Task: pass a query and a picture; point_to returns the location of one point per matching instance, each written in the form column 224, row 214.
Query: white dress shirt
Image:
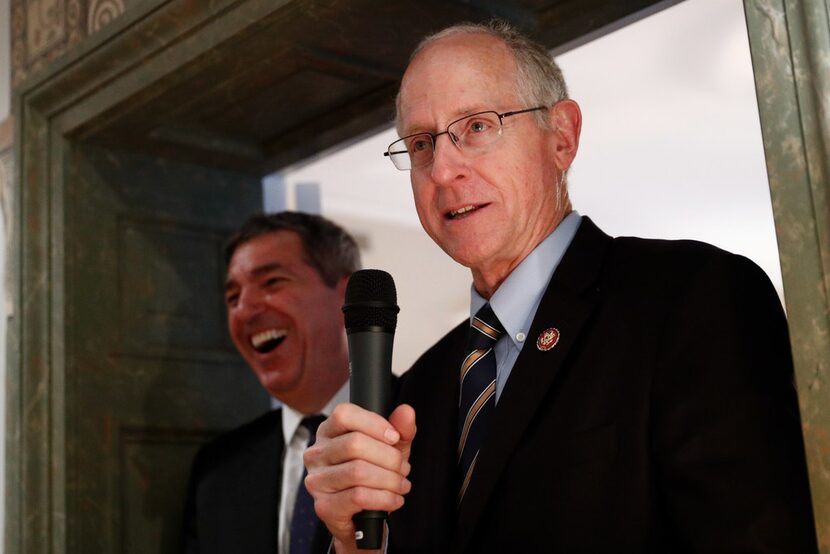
column 296, row 440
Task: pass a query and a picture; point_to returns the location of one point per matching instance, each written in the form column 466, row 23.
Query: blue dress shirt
column 516, row 300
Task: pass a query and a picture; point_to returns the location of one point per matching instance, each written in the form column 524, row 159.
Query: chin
column 465, row 257
column 272, row 381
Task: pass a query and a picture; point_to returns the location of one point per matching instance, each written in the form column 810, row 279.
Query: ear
column 566, row 123
column 340, row 287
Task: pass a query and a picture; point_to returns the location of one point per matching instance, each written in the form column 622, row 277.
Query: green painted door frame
column 117, row 367
column 790, row 46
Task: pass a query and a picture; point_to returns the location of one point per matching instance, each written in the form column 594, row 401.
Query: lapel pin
column 547, row 339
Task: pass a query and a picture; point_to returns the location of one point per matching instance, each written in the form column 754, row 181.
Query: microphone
column 371, row 314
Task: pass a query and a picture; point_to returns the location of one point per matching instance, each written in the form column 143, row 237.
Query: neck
column 311, row 398
column 487, row 278
column 487, row 283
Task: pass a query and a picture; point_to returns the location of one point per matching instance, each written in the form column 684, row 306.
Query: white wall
column 671, row 144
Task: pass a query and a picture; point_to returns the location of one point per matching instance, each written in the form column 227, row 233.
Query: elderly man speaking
column 607, row 394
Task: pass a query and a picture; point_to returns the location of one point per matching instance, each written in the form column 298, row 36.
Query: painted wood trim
column 790, row 47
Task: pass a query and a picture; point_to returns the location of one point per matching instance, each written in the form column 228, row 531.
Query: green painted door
column 150, row 371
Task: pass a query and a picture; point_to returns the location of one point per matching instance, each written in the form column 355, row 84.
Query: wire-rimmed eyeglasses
column 472, row 133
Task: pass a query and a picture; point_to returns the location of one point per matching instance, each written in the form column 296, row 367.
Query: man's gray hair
column 539, row 81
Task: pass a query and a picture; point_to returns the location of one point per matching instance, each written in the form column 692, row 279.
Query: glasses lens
column 476, row 131
column 412, row 151
column 399, row 155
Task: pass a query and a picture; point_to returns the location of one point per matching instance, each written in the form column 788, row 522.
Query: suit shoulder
column 669, row 280
column 231, row 444
column 682, row 260
column 667, row 249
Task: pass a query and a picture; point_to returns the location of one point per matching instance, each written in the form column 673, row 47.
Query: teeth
column 261, row 338
column 465, row 209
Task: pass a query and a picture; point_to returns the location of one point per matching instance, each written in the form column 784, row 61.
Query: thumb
column 403, row 420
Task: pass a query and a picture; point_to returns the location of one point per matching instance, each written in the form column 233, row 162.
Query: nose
column 249, row 303
column 448, row 162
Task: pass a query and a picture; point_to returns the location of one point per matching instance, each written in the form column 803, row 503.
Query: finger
column 348, row 417
column 336, row 510
column 356, row 473
column 353, row 446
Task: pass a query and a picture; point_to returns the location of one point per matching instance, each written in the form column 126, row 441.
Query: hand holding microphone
column 362, row 433
column 371, row 315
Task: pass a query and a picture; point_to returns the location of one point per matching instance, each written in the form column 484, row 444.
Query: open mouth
column 463, row 211
column 266, row 341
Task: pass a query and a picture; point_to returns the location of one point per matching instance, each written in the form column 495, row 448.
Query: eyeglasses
column 472, row 134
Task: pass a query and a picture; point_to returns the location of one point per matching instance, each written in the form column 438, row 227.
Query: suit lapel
column 427, row 518
column 444, row 401
column 260, row 489
column 566, row 305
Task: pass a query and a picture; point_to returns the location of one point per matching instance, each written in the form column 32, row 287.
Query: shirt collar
column 517, row 298
column 291, row 418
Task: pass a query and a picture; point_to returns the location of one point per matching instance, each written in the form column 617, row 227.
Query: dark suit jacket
column 665, row 419
column 234, row 492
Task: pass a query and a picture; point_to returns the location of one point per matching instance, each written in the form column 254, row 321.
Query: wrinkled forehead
column 454, row 75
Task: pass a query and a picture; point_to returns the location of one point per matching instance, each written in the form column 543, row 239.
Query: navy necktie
column 304, row 520
column 477, row 400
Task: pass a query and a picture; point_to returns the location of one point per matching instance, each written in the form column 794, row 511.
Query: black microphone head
column 371, row 301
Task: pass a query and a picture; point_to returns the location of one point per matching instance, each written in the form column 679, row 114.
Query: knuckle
column 358, row 471
column 360, row 496
column 338, row 415
column 353, row 445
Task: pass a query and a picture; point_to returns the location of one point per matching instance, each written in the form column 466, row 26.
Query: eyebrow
column 256, row 272
column 467, row 110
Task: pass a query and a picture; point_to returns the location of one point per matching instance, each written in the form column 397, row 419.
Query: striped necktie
column 477, row 400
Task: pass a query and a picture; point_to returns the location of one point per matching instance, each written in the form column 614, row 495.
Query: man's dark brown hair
column 327, row 247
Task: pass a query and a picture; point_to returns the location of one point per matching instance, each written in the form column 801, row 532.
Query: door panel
column 151, row 372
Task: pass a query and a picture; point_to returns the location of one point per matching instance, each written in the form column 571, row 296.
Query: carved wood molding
column 44, row 30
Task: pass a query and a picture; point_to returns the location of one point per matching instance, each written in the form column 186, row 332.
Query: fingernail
column 406, row 467
column 391, row 436
column 407, row 486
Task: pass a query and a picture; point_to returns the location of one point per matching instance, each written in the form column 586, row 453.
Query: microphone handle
column 370, row 365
